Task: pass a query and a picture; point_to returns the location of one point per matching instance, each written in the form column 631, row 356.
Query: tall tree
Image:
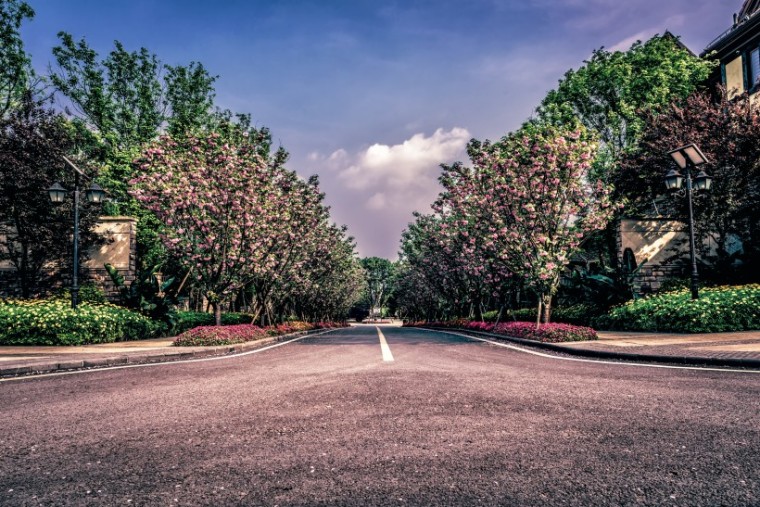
column 189, row 96
column 613, row 91
column 379, row 274
column 728, row 132
column 15, row 65
column 35, row 234
column 528, row 201
column 120, row 96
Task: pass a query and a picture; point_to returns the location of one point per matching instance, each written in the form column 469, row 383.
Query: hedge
column 54, row 322
column 718, row 309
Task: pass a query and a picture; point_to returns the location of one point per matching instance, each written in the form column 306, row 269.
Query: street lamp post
column 94, row 194
column 689, row 157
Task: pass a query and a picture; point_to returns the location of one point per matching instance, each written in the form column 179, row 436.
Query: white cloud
column 402, row 168
column 381, row 185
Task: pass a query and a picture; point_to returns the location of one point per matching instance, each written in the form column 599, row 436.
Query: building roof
column 749, row 8
column 745, row 25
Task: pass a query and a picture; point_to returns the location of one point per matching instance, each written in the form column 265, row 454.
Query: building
column 738, row 50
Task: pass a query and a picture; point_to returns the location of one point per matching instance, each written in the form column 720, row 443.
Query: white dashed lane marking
column 387, row 356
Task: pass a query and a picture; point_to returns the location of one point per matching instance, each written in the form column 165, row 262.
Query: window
column 754, row 67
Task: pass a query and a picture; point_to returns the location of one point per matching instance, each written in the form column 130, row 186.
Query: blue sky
column 373, row 95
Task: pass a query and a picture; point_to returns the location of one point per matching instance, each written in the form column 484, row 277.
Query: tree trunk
column 217, row 313
column 546, row 308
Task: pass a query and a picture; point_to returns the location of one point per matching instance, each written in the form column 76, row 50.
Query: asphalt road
column 331, row 420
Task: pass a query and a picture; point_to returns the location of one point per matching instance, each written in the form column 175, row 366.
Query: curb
column 162, row 356
column 618, row 356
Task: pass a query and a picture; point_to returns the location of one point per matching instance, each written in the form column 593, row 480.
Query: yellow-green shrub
column 54, row 322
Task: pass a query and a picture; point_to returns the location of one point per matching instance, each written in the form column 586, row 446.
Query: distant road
column 409, row 417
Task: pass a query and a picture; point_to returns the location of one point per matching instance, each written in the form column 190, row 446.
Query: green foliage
column 119, row 96
column 718, row 309
column 189, row 320
column 15, row 65
column 33, row 232
column 88, row 293
column 147, row 294
column 54, row 322
column 612, row 91
column 190, row 96
column 379, row 274
column 578, row 314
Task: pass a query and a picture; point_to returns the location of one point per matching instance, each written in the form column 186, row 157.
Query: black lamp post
column 94, row 194
column 689, row 157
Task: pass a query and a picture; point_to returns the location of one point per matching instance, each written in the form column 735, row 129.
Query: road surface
column 412, row 417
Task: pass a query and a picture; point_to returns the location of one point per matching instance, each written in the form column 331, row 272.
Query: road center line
column 387, row 356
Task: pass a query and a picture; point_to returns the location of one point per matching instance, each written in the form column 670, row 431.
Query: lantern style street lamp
column 689, row 157
column 94, row 194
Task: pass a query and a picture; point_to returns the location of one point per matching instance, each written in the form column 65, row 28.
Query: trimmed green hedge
column 54, row 322
column 718, row 309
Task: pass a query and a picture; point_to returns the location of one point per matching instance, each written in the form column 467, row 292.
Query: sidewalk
column 738, row 349
column 739, row 345
column 18, row 361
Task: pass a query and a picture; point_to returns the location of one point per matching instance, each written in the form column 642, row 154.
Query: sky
column 374, row 95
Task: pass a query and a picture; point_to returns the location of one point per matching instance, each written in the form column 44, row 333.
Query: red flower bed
column 241, row 333
column 546, row 333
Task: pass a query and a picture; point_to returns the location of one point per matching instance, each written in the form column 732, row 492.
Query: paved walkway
column 713, row 348
column 741, row 345
column 16, row 361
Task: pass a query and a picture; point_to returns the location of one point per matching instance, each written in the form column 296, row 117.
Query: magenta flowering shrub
column 485, row 327
column 229, row 335
column 547, row 333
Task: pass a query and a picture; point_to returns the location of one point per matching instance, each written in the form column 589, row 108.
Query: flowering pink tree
column 221, row 205
column 242, row 223
column 527, row 203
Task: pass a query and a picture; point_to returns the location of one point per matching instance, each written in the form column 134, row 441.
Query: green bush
column 89, row 292
column 578, row 315
column 54, row 322
column 189, row 320
column 718, row 309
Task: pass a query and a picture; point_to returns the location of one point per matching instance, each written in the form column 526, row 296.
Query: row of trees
column 216, row 205
column 512, row 222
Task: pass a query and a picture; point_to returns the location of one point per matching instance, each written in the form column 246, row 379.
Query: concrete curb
column 145, row 357
column 617, row 356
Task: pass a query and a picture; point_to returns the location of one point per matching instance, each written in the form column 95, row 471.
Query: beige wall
column 735, row 77
column 655, row 244
column 118, row 232
column 119, row 249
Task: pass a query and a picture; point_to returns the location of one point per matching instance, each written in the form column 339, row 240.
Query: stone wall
column 660, row 247
column 119, row 249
